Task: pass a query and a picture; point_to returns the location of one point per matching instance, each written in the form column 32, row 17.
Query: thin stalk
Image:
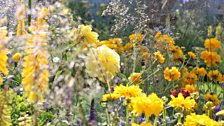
column 155, row 121
column 127, row 116
column 108, row 117
column 164, row 117
column 29, row 15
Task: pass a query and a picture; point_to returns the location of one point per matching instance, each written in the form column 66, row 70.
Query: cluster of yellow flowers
column 212, row 97
column 159, row 57
column 151, row 105
column 171, row 74
column 199, row 120
column 35, row 72
column 210, row 57
column 182, row 103
column 114, row 43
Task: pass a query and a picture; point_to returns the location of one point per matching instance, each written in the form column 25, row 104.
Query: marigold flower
column 127, row 91
column 212, row 97
column 199, row 120
column 212, row 44
column 17, row 57
column 190, row 78
column 135, row 78
column 215, row 75
column 109, row 97
column 176, row 52
column 137, row 37
column 102, row 62
column 151, row 105
column 171, row 74
column 210, row 58
column 182, row 103
column 159, row 56
column 192, row 55
column 200, row 71
column 190, row 88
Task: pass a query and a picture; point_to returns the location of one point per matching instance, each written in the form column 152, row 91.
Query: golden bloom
column 151, row 105
column 158, row 35
column 142, row 124
column 129, row 47
column 135, row 78
column 199, row 120
column 20, row 27
column 159, row 56
column 171, row 74
column 200, row 71
column 137, row 37
column 111, row 96
column 210, row 58
column 17, row 57
column 164, row 39
column 215, row 75
column 190, row 88
column 127, row 91
column 3, row 51
column 182, row 103
column 212, row 97
column 85, row 36
column 176, row 52
column 102, row 62
column 212, row 44
column 190, row 78
column 192, row 55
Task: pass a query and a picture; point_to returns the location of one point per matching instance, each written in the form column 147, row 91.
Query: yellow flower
column 212, row 44
column 127, row 91
column 220, row 113
column 142, row 124
column 158, row 35
column 137, row 37
column 192, row 55
column 215, row 75
column 182, row 103
column 102, row 62
column 201, row 72
column 190, row 88
column 17, row 57
column 190, row 78
column 108, row 97
column 159, row 56
column 171, row 74
column 210, row 58
column 212, row 97
column 151, row 105
column 85, row 36
column 129, row 47
column 20, row 27
column 199, row 120
column 1, row 80
column 135, row 78
column 176, row 52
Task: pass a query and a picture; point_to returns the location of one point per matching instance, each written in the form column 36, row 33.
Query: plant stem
column 29, row 15
column 155, row 121
column 108, row 117
column 127, row 116
column 164, row 117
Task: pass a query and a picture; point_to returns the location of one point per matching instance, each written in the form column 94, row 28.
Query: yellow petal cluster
column 210, row 58
column 127, row 91
column 135, row 78
column 136, row 37
column 199, row 120
column 3, row 51
column 200, row 71
column 182, row 103
column 159, row 57
column 192, row 55
column 151, row 105
column 171, row 74
column 102, row 62
column 215, row 75
column 114, row 43
column 17, row 57
column 142, row 124
column 212, row 97
column 212, row 44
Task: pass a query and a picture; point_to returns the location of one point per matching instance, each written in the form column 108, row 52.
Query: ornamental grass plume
column 171, row 74
column 199, row 120
column 35, row 71
column 103, row 63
